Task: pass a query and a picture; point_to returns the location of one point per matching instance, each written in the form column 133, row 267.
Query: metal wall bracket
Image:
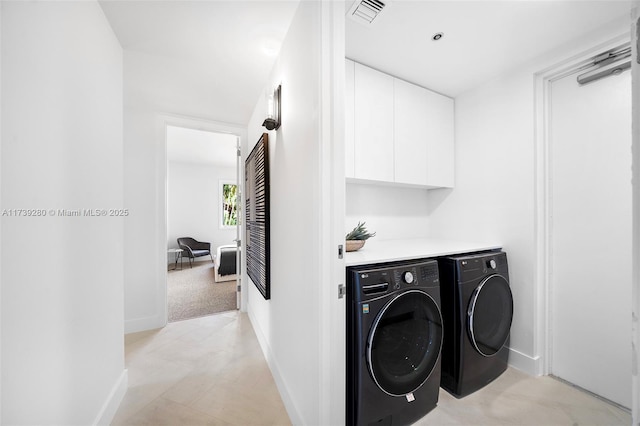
column 340, row 251
column 342, row 291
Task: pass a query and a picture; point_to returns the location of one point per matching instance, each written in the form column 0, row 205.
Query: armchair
column 193, row 248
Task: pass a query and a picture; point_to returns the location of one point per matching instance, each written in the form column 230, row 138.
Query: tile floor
column 203, row 371
column 211, row 371
column 515, row 398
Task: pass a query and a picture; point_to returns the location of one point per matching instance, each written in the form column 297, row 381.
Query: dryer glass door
column 489, row 315
column 404, row 343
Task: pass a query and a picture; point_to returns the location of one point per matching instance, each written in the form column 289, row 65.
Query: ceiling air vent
column 366, row 11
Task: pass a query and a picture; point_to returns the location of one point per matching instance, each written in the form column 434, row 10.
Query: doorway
column 588, row 230
column 203, row 204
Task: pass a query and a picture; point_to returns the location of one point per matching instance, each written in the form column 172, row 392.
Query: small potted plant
column 357, row 237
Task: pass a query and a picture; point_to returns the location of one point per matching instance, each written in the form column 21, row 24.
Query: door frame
column 163, row 121
column 542, row 191
column 635, row 183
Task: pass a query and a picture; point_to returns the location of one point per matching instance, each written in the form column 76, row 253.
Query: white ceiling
column 207, row 58
column 482, row 39
column 204, row 58
column 201, row 147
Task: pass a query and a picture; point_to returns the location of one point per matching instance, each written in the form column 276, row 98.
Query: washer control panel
column 374, row 281
column 425, row 274
column 406, row 276
column 429, row 274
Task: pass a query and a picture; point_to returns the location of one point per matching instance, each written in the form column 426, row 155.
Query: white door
column 590, row 217
column 239, row 223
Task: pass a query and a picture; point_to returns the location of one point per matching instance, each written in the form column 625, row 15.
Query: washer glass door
column 404, row 342
column 489, row 315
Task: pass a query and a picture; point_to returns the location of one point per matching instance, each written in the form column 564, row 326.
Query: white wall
column 390, row 211
column 194, row 204
column 1, row 205
column 494, row 197
column 144, row 228
column 62, row 277
column 290, row 325
column 146, row 115
column 635, row 43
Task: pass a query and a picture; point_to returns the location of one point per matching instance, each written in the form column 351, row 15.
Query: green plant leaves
column 359, row 233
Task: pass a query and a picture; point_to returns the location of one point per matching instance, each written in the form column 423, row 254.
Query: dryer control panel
column 474, row 266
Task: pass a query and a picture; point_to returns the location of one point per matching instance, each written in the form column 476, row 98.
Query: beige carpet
column 192, row 292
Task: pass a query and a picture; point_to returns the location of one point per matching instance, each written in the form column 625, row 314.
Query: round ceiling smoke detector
column 437, row 36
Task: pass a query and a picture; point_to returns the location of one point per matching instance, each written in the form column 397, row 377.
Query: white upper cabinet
column 373, row 124
column 440, row 141
column 397, row 132
column 350, row 155
column 411, row 112
column 423, row 136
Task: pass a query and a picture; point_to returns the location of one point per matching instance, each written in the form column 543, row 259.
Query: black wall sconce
column 272, row 122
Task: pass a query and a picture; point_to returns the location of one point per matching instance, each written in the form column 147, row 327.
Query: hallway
column 203, row 371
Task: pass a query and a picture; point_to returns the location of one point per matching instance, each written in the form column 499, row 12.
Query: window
column 229, row 214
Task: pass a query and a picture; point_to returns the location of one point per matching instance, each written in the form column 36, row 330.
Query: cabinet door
column 440, row 136
column 349, row 155
column 411, row 132
column 373, row 124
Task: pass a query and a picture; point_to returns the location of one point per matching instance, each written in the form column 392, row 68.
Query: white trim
column 240, row 227
column 542, row 79
column 524, row 362
column 1, row 328
column 112, row 403
column 289, row 404
column 145, row 323
column 635, row 148
column 164, row 120
column 332, row 332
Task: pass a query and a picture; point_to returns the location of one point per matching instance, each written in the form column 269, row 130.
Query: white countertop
column 378, row 251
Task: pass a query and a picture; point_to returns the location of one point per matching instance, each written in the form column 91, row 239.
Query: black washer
column 394, row 339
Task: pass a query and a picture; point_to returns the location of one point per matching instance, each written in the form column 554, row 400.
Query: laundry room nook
column 468, row 160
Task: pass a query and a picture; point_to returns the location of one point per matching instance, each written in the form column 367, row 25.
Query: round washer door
column 490, row 314
column 404, row 342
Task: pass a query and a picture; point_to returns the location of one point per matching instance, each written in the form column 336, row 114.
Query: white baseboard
column 110, row 406
column 525, row 363
column 292, row 411
column 144, row 324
